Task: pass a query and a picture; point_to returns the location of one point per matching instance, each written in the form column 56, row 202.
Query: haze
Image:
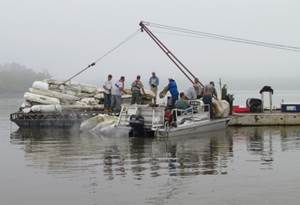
column 64, row 36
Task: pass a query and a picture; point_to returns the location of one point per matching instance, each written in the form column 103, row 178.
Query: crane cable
column 194, row 33
column 104, row 55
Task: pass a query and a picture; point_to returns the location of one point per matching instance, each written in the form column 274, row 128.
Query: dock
column 265, row 119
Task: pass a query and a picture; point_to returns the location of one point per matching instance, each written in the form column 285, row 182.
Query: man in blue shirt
column 172, row 88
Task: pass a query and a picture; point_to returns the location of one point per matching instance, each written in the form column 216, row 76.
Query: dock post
column 262, row 102
column 270, row 95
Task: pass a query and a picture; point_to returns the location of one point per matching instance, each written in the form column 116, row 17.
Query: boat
column 145, row 120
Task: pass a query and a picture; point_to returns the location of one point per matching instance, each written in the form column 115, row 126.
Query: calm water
column 237, row 166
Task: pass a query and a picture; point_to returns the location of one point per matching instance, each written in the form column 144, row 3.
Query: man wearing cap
column 107, row 93
column 154, row 82
column 116, row 92
column 137, row 88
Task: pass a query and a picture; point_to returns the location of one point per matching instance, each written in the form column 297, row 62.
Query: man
column 182, row 103
column 116, row 92
column 154, row 82
column 214, row 91
column 172, row 88
column 137, row 88
column 107, row 93
column 208, row 93
column 198, row 88
column 224, row 92
column 190, row 93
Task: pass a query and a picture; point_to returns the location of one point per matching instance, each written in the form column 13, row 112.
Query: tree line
column 18, row 78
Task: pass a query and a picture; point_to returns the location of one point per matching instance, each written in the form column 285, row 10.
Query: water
column 252, row 165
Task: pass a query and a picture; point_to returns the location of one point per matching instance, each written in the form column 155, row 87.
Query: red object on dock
column 238, row 109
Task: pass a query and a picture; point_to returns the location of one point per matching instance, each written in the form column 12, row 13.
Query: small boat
column 144, row 120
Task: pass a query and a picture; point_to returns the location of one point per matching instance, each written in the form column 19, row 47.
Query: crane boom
column 188, row 74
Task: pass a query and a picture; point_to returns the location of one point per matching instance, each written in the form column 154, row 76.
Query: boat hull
column 198, row 127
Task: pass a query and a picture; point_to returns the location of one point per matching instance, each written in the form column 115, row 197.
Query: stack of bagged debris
column 56, row 96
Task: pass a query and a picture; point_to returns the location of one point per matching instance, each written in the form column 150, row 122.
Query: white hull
column 195, row 127
column 146, row 120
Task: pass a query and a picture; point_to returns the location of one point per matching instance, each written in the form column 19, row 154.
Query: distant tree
column 18, row 78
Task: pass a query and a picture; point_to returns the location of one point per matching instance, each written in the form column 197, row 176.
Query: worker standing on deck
column 224, row 92
column 107, row 93
column 191, row 93
column 214, row 91
column 154, row 82
column 172, row 88
column 137, row 89
column 116, row 92
column 208, row 93
column 198, row 88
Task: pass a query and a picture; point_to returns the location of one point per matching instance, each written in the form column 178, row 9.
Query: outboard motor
column 136, row 122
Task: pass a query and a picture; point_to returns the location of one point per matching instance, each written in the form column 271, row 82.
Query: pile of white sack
column 55, row 96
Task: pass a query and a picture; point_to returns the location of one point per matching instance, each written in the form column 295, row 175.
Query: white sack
column 221, row 108
column 89, row 101
column 40, row 85
column 26, row 110
column 26, row 104
column 46, row 108
column 50, row 93
column 99, row 96
column 98, row 120
column 40, row 99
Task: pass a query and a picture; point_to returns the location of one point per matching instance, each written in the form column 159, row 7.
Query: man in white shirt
column 107, row 93
column 190, row 93
column 116, row 92
column 154, row 82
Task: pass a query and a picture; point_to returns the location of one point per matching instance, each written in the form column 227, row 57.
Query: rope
column 103, row 56
column 195, row 34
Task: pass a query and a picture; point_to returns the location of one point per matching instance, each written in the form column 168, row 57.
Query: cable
column 223, row 37
column 103, row 56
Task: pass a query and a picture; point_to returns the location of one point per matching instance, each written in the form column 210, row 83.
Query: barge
column 65, row 119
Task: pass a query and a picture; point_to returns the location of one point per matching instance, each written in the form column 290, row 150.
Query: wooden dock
column 265, row 119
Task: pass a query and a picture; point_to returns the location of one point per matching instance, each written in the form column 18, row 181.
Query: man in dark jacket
column 208, row 92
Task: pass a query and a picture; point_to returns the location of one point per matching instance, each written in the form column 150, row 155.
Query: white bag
column 40, row 99
column 46, row 108
column 40, row 85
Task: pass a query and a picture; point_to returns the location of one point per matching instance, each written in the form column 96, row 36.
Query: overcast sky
column 63, row 36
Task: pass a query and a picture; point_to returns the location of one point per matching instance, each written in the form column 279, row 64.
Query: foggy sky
column 64, row 36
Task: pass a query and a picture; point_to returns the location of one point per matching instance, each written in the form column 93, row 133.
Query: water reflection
column 68, row 153
column 290, row 138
